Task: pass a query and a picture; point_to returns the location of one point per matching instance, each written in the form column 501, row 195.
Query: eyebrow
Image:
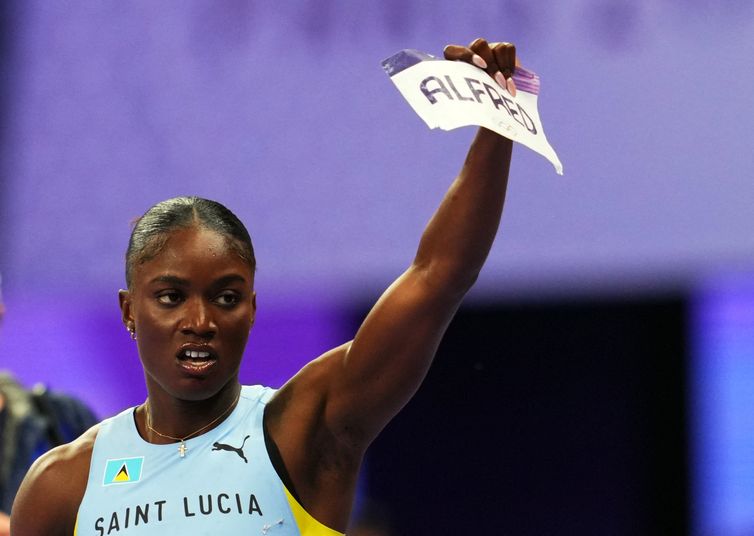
column 180, row 282
column 232, row 278
column 171, row 279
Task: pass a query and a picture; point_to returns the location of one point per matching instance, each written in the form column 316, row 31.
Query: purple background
column 723, row 388
column 281, row 110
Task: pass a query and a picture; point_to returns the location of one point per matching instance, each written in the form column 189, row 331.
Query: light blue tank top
column 225, row 483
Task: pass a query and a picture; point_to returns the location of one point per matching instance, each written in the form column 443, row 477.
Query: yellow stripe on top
column 307, row 525
column 76, row 526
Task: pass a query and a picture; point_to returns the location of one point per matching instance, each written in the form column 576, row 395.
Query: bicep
column 392, row 351
column 324, row 418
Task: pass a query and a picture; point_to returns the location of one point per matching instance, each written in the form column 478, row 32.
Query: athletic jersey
column 224, row 484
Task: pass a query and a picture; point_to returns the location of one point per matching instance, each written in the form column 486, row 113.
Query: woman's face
column 192, row 307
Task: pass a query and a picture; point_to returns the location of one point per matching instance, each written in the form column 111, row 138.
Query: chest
column 221, row 483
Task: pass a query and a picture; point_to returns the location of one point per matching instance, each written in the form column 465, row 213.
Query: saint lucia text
column 157, row 511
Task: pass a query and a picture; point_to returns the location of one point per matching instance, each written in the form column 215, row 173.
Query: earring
column 132, row 330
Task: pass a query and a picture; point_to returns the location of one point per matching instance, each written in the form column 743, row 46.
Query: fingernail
column 478, row 60
column 500, row 79
column 511, row 86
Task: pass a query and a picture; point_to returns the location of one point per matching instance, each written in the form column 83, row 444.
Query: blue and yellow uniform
column 225, row 483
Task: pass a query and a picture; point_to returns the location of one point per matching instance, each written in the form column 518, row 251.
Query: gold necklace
column 182, row 448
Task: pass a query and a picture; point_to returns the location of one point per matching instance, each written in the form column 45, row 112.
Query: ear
column 126, row 315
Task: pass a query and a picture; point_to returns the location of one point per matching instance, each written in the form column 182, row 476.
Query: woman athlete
column 204, row 455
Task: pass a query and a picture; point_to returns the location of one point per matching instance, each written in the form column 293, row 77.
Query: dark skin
column 198, row 292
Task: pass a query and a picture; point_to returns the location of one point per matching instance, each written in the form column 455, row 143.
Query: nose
column 198, row 319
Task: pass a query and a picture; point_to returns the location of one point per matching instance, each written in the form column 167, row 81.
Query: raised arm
column 392, row 351
column 326, row 416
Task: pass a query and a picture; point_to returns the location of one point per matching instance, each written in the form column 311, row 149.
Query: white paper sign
column 452, row 94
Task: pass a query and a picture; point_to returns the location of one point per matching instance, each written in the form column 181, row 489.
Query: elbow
column 451, row 279
column 464, row 281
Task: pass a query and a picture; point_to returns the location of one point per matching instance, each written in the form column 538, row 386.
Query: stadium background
column 598, row 379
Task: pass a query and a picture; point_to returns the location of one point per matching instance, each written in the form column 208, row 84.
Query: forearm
column 394, row 347
column 458, row 238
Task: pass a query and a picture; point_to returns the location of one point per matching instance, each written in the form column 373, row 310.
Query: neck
column 166, row 420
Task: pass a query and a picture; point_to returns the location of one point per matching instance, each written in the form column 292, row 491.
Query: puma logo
column 237, row 450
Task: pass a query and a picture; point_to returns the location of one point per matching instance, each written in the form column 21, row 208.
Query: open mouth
column 196, row 361
column 194, row 355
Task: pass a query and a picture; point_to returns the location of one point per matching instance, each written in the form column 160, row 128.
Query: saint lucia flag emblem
column 123, row 471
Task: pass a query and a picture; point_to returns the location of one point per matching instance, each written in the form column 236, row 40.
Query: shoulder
column 49, row 497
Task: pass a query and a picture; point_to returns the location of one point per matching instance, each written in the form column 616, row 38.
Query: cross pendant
column 182, row 449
